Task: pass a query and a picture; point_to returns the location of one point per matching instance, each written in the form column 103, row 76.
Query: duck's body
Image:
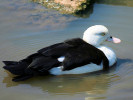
column 75, row 56
column 91, row 67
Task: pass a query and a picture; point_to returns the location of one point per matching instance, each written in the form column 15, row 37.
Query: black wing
column 76, row 51
column 56, row 50
column 83, row 54
column 46, row 58
column 43, row 64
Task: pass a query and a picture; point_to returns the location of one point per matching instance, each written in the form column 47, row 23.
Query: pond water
column 26, row 26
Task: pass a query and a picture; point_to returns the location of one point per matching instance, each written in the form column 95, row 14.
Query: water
column 26, row 27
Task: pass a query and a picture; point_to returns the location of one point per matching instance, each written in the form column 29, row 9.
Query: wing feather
column 56, row 50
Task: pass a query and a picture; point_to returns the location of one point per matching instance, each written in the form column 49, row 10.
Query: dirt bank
column 66, row 6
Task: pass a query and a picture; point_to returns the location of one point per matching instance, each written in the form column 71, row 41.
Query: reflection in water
column 85, row 13
column 31, row 15
column 117, row 2
column 67, row 84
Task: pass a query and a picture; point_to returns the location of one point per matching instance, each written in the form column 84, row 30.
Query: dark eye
column 102, row 34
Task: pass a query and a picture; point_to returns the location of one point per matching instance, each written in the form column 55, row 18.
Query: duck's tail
column 18, row 68
column 35, row 64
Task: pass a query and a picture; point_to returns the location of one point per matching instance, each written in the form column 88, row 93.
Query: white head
column 98, row 34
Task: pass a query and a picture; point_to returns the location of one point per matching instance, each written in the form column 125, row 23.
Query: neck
column 109, row 53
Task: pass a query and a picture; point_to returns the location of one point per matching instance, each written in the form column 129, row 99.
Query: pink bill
column 114, row 40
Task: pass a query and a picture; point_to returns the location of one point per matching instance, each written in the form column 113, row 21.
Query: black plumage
column 76, row 52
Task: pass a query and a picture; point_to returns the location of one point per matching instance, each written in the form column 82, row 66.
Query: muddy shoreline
column 67, row 6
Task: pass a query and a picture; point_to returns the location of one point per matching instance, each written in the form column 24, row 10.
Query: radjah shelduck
column 73, row 56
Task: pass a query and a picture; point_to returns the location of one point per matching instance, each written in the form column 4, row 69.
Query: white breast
column 87, row 68
column 110, row 54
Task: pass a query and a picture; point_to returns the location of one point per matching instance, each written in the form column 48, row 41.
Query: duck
column 72, row 56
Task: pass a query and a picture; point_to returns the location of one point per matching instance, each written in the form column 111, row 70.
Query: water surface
column 26, row 27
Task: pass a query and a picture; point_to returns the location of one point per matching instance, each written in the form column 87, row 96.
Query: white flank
column 61, row 59
column 79, row 70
